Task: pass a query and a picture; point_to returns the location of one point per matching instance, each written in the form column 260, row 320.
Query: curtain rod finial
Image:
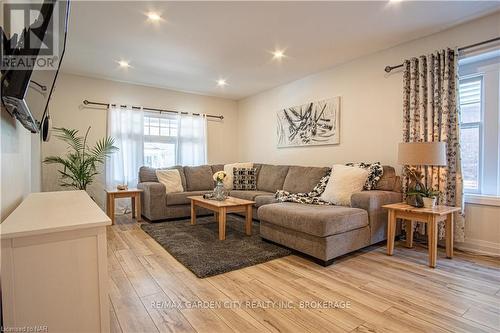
column 388, row 69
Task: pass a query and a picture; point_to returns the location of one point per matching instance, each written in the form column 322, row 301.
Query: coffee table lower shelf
column 221, row 209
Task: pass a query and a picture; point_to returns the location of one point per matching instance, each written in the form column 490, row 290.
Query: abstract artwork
column 311, row 124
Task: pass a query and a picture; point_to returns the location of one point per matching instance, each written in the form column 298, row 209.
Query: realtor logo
column 19, row 16
column 31, row 34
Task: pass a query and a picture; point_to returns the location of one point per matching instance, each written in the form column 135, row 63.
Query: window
column 160, row 139
column 174, row 139
column 479, row 89
column 470, row 126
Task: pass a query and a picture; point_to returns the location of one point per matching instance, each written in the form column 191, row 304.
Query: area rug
column 199, row 249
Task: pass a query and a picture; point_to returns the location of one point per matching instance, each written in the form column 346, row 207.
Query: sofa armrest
column 153, row 200
column 372, row 202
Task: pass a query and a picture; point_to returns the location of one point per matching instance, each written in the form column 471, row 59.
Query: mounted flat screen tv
column 31, row 57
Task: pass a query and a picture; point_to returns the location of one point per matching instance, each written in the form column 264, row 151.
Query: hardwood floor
column 151, row 292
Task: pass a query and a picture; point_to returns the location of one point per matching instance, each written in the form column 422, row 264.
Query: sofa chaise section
column 323, row 232
column 326, row 232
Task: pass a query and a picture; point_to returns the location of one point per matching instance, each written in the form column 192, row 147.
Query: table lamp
column 412, row 154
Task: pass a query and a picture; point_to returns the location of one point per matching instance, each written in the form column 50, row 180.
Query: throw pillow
column 171, row 178
column 375, row 173
column 245, row 179
column 228, row 169
column 344, row 182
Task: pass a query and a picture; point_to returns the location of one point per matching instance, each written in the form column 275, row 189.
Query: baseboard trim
column 479, row 246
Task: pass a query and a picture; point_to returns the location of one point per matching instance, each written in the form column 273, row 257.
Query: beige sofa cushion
column 271, row 177
column 265, row 200
column 320, row 221
column 344, row 181
column 199, row 178
column 147, row 175
column 389, row 179
column 181, row 198
column 301, row 179
column 247, row 195
column 171, row 179
column 217, row 168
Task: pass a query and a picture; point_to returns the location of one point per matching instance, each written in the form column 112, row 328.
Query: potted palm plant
column 79, row 166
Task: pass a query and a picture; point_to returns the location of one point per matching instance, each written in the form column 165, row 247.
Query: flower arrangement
column 219, row 193
column 219, row 176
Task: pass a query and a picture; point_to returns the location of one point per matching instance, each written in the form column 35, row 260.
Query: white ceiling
column 200, row 42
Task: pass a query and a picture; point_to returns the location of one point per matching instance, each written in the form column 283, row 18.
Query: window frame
column 477, row 124
column 163, row 139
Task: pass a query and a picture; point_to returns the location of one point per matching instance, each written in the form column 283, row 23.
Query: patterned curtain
column 431, row 113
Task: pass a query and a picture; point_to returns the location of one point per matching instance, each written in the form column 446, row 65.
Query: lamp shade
column 422, row 153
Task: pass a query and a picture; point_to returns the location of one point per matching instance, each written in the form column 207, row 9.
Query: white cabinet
column 54, row 264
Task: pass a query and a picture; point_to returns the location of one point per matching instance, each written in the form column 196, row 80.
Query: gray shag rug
column 199, row 249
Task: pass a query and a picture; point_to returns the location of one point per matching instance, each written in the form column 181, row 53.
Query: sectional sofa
column 323, row 232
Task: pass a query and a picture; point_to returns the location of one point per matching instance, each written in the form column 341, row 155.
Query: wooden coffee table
column 221, row 208
column 430, row 216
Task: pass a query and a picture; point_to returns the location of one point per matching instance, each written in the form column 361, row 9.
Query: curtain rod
column 87, row 102
column 388, row 69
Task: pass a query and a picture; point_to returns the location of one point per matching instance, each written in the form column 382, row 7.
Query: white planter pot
column 429, row 202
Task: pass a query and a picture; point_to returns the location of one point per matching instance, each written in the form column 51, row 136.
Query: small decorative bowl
column 122, row 187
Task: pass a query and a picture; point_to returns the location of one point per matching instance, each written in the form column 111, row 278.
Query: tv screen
column 32, row 50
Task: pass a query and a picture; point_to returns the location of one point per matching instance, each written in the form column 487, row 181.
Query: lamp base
column 415, row 201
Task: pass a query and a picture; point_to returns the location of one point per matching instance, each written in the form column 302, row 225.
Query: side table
column 133, row 193
column 430, row 216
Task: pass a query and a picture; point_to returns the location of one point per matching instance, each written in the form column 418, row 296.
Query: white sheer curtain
column 126, row 126
column 191, row 148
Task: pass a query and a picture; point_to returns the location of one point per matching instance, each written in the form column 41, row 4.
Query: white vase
column 429, row 202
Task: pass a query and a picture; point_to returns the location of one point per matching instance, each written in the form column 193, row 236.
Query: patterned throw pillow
column 312, row 198
column 375, row 173
column 244, row 179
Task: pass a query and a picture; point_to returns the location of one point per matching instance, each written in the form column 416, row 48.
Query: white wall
column 371, row 110
column 67, row 110
column 482, row 228
column 19, row 161
column 371, row 115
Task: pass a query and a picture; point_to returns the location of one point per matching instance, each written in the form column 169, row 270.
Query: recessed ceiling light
column 221, row 82
column 278, row 54
column 152, row 16
column 123, row 64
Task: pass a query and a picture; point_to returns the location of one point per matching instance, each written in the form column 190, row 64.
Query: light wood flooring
column 386, row 294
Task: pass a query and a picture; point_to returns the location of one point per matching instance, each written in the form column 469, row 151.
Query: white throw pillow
column 229, row 168
column 171, row 178
column 344, row 181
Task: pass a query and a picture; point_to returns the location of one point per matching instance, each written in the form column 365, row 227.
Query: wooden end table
column 133, row 193
column 430, row 216
column 221, row 208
